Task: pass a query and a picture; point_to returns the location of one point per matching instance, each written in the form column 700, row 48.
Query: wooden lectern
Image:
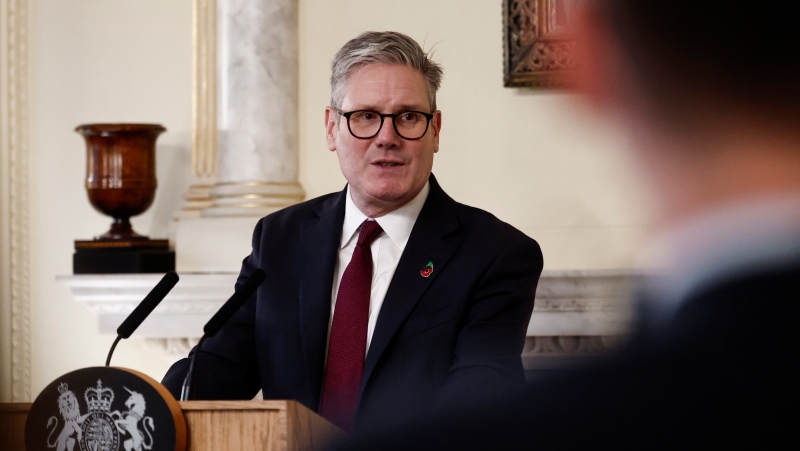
column 219, row 425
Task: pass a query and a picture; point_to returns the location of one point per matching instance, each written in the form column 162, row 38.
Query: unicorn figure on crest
column 128, row 423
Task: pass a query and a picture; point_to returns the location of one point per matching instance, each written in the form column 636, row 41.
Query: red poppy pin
column 427, row 270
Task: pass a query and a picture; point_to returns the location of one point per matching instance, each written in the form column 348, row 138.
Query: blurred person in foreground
column 708, row 95
column 387, row 298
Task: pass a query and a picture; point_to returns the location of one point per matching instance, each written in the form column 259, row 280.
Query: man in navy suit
column 708, row 95
column 452, row 287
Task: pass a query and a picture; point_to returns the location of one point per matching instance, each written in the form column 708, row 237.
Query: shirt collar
column 396, row 224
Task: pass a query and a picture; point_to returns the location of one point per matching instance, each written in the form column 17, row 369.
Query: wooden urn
column 121, row 183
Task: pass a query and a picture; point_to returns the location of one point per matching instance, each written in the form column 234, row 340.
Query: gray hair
column 386, row 47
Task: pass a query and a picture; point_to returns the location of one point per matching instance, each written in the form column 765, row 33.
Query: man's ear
column 436, row 128
column 330, row 128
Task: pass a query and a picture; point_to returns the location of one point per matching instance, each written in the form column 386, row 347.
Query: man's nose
column 387, row 136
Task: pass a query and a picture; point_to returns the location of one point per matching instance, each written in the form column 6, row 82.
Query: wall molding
column 204, row 109
column 15, row 143
column 204, row 88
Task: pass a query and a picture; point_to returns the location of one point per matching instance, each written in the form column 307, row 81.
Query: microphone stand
column 218, row 320
column 150, row 302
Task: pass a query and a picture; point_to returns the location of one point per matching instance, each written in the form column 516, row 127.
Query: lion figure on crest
column 70, row 412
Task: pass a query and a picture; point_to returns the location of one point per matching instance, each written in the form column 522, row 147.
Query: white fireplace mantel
column 575, row 311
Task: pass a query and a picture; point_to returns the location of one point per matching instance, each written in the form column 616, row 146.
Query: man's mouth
column 387, row 165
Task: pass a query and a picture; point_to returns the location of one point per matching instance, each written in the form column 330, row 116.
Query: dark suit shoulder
column 288, row 221
column 279, row 235
column 492, row 230
column 308, row 209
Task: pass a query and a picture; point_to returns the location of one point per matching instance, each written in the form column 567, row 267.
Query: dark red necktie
column 348, row 340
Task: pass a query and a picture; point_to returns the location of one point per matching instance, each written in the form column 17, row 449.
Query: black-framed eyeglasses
column 365, row 124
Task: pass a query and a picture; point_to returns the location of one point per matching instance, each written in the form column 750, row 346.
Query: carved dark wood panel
column 537, row 51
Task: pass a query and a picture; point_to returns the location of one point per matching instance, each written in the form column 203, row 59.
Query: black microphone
column 144, row 308
column 219, row 319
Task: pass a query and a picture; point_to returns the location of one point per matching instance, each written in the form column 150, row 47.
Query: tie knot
column 369, row 231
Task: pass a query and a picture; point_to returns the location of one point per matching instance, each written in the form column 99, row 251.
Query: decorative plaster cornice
column 569, row 345
column 556, row 352
column 584, row 290
column 16, row 140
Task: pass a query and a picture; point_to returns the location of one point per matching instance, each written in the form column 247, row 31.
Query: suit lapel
column 433, row 239
column 320, row 239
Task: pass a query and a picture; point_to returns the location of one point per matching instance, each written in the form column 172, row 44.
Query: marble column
column 245, row 129
column 257, row 133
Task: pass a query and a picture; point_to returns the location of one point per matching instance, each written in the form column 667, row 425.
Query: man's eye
column 409, row 117
column 364, row 116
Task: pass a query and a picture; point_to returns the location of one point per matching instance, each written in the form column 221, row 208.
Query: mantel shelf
column 585, row 303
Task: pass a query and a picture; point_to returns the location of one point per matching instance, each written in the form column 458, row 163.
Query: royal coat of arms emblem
column 108, row 422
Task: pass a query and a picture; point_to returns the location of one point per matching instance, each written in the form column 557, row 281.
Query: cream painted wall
column 532, row 158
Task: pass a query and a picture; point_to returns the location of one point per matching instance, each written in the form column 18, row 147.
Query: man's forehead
column 376, row 84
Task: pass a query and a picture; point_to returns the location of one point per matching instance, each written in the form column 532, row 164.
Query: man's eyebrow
column 396, row 109
column 411, row 108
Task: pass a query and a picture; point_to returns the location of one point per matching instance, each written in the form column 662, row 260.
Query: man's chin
column 387, row 201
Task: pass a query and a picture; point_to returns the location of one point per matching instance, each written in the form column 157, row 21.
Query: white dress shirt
column 386, row 250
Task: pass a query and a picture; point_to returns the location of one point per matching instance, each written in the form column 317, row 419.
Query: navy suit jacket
column 451, row 338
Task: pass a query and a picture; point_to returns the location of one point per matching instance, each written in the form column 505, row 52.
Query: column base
column 198, row 198
column 251, row 199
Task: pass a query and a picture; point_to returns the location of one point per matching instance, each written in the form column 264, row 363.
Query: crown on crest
column 62, row 388
column 99, row 399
